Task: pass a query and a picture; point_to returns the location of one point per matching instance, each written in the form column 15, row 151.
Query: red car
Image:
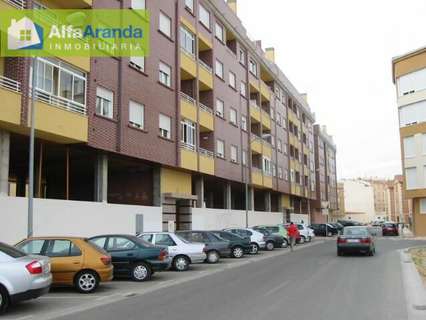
column 390, row 229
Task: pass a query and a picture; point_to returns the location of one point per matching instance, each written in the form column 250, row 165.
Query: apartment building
column 326, row 202
column 207, row 120
column 358, row 200
column 409, row 77
column 399, row 208
column 339, row 214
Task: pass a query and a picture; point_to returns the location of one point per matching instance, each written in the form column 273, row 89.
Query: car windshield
column 11, row 251
column 355, row 232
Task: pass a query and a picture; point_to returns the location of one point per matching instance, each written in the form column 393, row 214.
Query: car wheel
column 237, row 252
column 86, row 281
column 285, row 243
column 4, row 300
column 269, row 246
column 141, row 272
column 254, row 248
column 181, row 263
column 309, row 239
column 213, row 257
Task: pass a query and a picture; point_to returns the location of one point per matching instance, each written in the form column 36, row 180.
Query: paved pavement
column 311, row 282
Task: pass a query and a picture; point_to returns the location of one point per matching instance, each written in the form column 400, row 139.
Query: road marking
column 277, row 288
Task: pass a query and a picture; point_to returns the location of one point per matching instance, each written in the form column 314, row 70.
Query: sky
column 340, row 53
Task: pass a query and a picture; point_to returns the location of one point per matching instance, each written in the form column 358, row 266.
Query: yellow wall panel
column 173, row 181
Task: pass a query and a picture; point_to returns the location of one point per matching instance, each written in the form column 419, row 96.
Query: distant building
column 358, row 200
column 340, row 212
column 399, row 208
column 380, row 189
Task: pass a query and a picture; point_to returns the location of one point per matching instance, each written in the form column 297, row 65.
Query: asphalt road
column 312, row 283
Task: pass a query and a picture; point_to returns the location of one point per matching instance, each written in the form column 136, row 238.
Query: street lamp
column 31, row 156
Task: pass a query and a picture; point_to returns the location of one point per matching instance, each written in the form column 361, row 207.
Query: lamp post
column 31, row 156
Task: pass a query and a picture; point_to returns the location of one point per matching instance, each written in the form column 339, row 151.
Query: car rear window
column 389, row 225
column 11, row 251
column 95, row 246
column 355, row 232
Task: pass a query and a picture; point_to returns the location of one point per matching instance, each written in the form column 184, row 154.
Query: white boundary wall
column 72, row 218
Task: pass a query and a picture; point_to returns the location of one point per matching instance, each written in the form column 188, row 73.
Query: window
column 188, row 133
column 285, row 175
column 165, row 25
column 233, row 116
column 243, row 89
column 280, row 172
column 219, row 33
column 242, row 57
column 136, row 114
column 147, row 237
column 412, row 114
column 411, row 177
column 423, row 206
column 138, row 4
column 165, row 74
column 104, row 102
column 274, row 170
column 120, row 244
column 189, row 4
column 267, row 168
column 11, row 251
column 62, row 248
column 220, row 108
column 232, row 80
column 292, row 179
column 285, row 148
column 187, row 40
column 204, row 16
column 32, row 247
column 234, row 154
column 279, row 145
column 220, row 148
column 100, row 242
column 244, row 123
column 244, row 158
column 165, row 125
column 253, row 67
column 219, row 69
column 138, row 63
column 409, row 147
column 412, row 82
column 164, row 240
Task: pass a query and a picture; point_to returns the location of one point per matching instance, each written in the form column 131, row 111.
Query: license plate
column 353, row 240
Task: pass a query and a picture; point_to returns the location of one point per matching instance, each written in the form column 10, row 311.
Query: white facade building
column 359, row 201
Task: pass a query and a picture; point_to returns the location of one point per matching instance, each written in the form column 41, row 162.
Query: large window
column 219, row 33
column 165, row 125
column 136, row 114
column 409, row 147
column 187, row 40
column 138, row 63
column 232, row 80
column 243, row 89
column 219, row 69
column 204, row 16
column 138, row 4
column 267, row 167
column 412, row 82
column 253, row 67
column 244, row 123
column 165, row 25
column 220, row 148
column 423, row 206
column 104, row 102
column 412, row 114
column 188, row 133
column 165, row 74
column 220, row 108
column 411, row 177
column 189, row 4
column 233, row 116
column 234, row 154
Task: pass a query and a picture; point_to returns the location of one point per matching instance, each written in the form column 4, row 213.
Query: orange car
column 75, row 261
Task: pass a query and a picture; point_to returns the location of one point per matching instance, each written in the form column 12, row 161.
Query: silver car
column 22, row 277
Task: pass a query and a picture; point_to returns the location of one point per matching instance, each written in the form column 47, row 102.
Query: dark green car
column 238, row 245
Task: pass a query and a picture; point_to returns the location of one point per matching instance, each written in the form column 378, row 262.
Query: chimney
column 233, row 5
column 304, row 96
column 270, row 54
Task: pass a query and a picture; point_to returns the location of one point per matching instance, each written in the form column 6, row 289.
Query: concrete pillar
column 251, row 198
column 157, row 198
column 101, row 178
column 228, row 196
column 267, row 201
column 199, row 191
column 4, row 162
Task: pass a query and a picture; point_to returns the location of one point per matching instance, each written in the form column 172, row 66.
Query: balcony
column 188, row 107
column 266, row 120
column 12, row 4
column 254, row 111
column 206, row 161
column 265, row 91
column 267, row 149
column 204, row 43
column 188, row 157
column 267, row 181
column 296, row 189
column 254, row 84
column 188, row 65
column 206, row 118
column 205, row 74
column 256, row 144
column 257, row 177
column 10, row 97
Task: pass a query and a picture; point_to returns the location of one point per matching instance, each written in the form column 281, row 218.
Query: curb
column 415, row 293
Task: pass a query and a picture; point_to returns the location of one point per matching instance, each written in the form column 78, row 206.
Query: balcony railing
column 205, row 66
column 206, row 153
column 10, row 84
column 60, row 102
column 253, row 104
column 187, row 98
column 187, row 53
column 205, row 108
column 20, row 4
column 256, row 138
column 187, row 146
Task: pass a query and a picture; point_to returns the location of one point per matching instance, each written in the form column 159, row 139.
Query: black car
column 349, row 223
column 133, row 257
column 238, row 245
column 324, row 230
column 338, row 226
column 216, row 247
column 272, row 240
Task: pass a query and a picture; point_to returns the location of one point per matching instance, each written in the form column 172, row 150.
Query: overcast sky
column 340, row 52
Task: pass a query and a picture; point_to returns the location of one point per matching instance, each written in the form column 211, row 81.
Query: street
column 311, row 282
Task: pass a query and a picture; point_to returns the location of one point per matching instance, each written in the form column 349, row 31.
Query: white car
column 182, row 252
column 307, row 234
column 257, row 240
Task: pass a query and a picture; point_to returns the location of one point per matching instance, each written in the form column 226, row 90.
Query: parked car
column 276, row 229
column 349, row 223
column 356, row 239
column 272, row 240
column 215, row 247
column 257, row 240
column 338, row 226
column 390, row 229
column 324, row 230
column 74, row 261
column 238, row 245
column 182, row 252
column 133, row 257
column 22, row 277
